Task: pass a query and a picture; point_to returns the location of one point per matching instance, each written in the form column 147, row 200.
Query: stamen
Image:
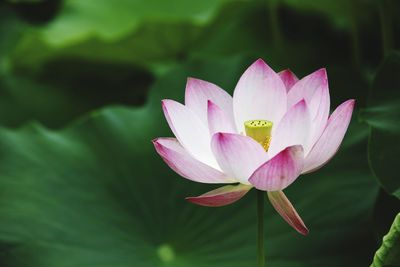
column 259, row 130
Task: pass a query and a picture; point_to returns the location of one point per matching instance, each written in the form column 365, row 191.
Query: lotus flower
column 274, row 128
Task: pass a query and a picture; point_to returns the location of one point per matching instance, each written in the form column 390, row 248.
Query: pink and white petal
column 218, row 121
column 198, row 92
column 192, row 134
column 178, row 159
column 288, row 79
column 237, row 155
column 319, row 110
column 283, row 206
column 222, row 196
column 293, row 129
column 330, row 140
column 259, row 95
column 280, row 171
column 306, row 87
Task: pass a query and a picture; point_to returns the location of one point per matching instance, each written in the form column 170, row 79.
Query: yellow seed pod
column 259, row 130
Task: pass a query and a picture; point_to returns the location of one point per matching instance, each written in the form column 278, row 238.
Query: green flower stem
column 260, row 235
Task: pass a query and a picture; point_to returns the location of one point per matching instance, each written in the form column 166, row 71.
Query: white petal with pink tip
column 237, row 155
column 198, row 92
column 192, row 134
column 280, row 171
column 218, row 121
column 288, row 79
column 259, row 95
column 183, row 163
column 293, row 129
column 330, row 140
column 306, row 87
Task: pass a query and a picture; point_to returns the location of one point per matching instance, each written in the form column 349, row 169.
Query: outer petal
column 280, row 171
column 319, row 111
column 306, row 87
column 192, row 134
column 331, row 138
column 218, row 121
column 283, row 206
column 197, row 94
column 259, row 95
column 237, row 155
column 185, row 165
column 314, row 90
column 222, row 196
column 288, row 79
column 294, row 129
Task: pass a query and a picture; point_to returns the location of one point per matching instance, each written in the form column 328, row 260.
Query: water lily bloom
column 274, row 128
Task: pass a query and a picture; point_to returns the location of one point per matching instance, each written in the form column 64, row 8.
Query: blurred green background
column 80, row 89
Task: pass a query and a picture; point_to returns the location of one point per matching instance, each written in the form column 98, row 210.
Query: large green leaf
column 65, row 87
column 96, row 194
column 383, row 116
column 92, row 65
column 129, row 31
column 155, row 41
column 154, row 45
column 389, row 254
column 52, row 84
column 238, row 27
column 111, row 20
column 344, row 13
column 42, row 79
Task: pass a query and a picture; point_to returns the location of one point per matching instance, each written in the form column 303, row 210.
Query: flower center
column 259, row 130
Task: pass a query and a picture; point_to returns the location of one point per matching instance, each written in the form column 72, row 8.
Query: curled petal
column 198, row 92
column 222, row 196
column 237, row 155
column 185, row 165
column 218, row 121
column 259, row 95
column 331, row 138
column 280, row 171
column 288, row 79
column 283, row 206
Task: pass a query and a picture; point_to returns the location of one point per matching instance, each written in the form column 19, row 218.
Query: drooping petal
column 293, row 129
column 192, row 134
column 198, row 92
column 306, row 87
column 218, row 121
column 259, row 95
column 222, row 196
column 288, row 79
column 283, row 206
column 280, row 171
column 237, row 155
column 185, row 165
column 331, row 138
